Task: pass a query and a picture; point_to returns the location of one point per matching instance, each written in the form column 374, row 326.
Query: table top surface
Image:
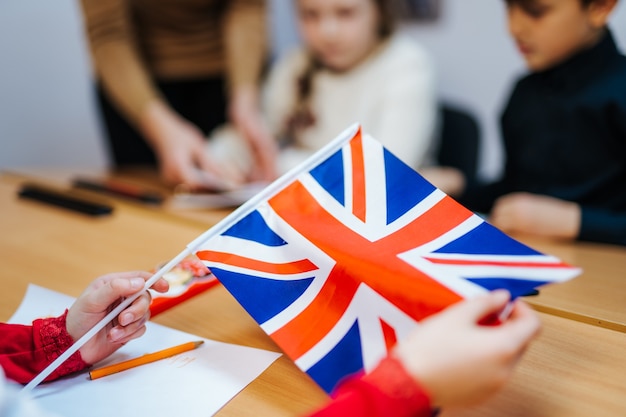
column 573, row 369
column 598, row 295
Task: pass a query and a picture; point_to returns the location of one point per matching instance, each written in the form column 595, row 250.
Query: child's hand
column 458, row 361
column 537, row 214
column 98, row 299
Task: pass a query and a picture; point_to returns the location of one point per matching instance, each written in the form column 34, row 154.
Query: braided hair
column 302, row 116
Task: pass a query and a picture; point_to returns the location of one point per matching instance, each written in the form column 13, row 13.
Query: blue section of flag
column 517, row 287
column 253, row 227
column 487, row 240
column 263, row 298
column 329, row 174
column 340, row 361
column 402, row 180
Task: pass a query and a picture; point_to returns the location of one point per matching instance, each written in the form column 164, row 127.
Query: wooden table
column 598, row 295
column 573, row 369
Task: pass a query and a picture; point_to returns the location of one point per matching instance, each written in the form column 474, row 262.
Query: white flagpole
column 100, row 325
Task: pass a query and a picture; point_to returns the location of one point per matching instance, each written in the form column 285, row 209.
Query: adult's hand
column 246, row 116
column 180, row 147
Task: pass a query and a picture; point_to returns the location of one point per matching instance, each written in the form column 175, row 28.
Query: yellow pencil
column 142, row 360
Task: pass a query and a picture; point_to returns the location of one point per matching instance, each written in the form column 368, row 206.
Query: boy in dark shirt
column 564, row 128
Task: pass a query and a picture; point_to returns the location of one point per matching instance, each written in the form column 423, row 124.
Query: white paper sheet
column 194, row 383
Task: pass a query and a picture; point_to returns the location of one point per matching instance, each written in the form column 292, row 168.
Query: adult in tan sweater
column 169, row 71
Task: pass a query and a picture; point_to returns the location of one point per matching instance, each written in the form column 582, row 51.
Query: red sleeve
column 27, row 350
column 387, row 391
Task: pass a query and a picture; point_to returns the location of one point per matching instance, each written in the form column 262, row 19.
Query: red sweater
column 26, row 350
column 387, row 391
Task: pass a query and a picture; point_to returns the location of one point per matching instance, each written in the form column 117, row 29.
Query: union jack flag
column 345, row 257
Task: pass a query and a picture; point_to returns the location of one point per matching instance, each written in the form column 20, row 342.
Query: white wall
column 47, row 114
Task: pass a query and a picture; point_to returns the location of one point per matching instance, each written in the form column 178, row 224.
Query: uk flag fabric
column 345, row 259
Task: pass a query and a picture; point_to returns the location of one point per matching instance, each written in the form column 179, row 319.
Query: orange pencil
column 142, row 360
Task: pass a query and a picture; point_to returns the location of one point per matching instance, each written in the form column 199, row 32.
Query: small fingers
column 136, row 311
column 123, row 335
column 524, row 323
column 128, row 283
column 485, row 306
column 161, row 285
column 110, row 288
column 136, row 318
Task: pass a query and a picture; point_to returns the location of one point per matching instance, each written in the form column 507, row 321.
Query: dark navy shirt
column 564, row 132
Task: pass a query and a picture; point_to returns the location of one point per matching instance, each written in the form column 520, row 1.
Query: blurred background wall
column 48, row 116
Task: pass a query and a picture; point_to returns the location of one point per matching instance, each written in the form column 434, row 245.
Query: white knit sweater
column 392, row 94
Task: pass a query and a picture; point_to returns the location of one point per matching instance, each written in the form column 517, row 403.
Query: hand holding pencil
column 142, row 360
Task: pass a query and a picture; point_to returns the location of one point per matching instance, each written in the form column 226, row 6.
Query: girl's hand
column 459, row 361
column 98, row 299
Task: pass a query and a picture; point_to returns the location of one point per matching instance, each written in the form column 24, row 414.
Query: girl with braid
column 352, row 66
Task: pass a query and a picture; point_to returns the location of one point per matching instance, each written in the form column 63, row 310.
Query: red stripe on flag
column 389, row 334
column 296, row 267
column 309, row 327
column 358, row 177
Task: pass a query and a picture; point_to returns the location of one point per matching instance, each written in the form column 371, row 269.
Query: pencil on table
column 142, row 360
